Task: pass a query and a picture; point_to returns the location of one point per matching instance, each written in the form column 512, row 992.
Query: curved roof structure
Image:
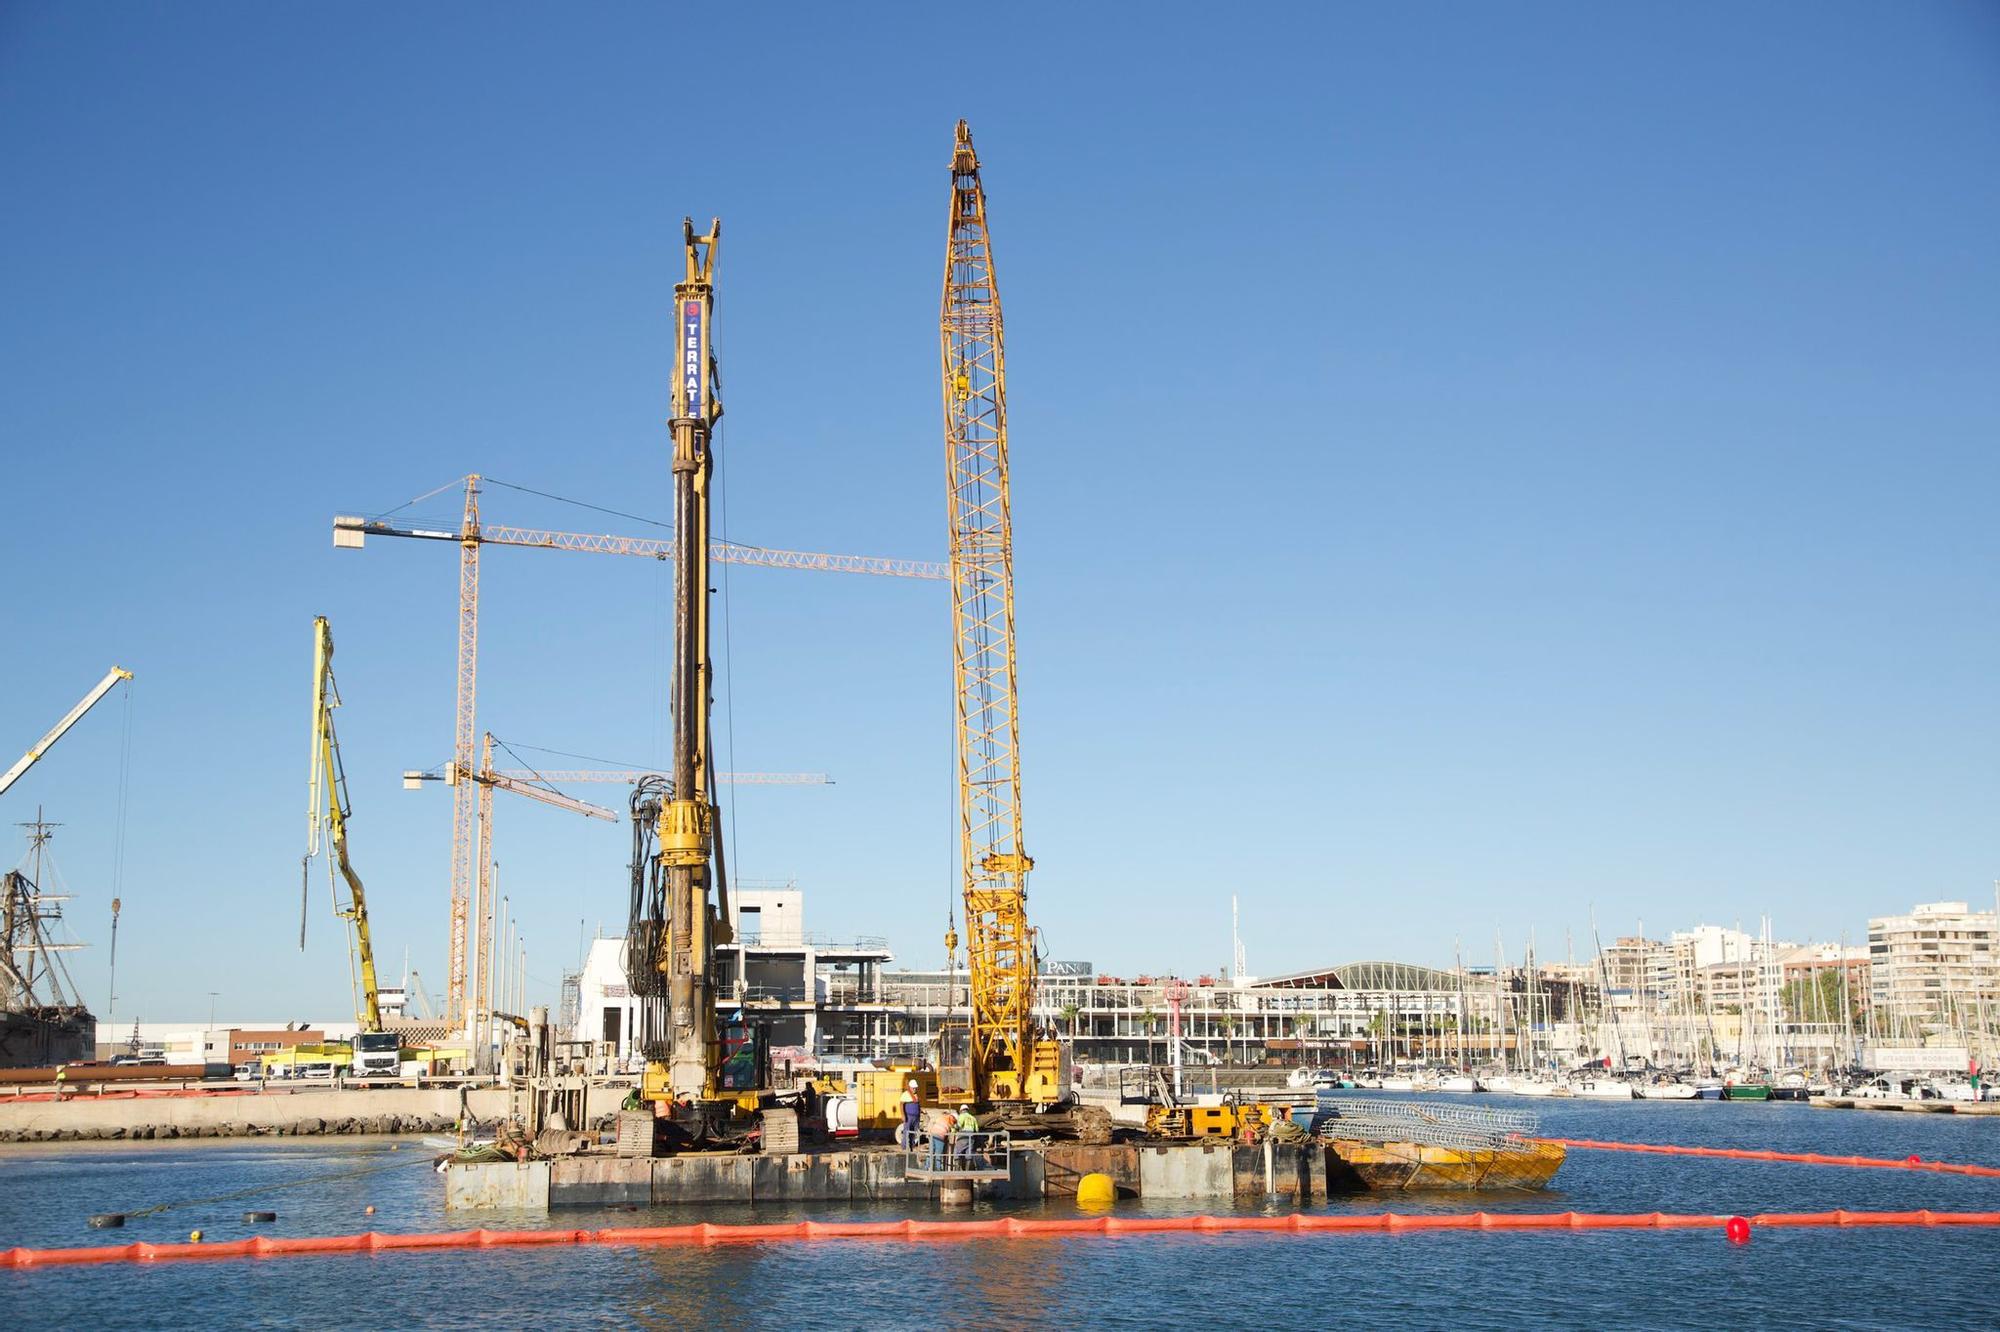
column 1403, row 976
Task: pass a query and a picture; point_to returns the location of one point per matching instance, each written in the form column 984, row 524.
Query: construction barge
column 886, row 1173
column 1344, row 1145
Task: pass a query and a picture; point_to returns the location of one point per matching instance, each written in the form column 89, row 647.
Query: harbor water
column 1873, row 1278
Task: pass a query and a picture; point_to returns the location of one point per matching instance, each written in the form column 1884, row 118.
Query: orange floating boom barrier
column 1802, row 1158
column 706, row 1233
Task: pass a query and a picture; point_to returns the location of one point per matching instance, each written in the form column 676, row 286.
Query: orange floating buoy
column 1738, row 1230
column 369, row 1210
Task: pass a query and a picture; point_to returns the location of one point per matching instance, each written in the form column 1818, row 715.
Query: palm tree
column 1227, row 1026
column 1069, row 1013
column 1151, row 1021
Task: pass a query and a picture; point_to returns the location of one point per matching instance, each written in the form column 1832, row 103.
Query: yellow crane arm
column 1003, row 1058
column 71, row 718
column 326, row 815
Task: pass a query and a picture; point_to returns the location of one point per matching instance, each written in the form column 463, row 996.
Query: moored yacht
column 1601, row 1088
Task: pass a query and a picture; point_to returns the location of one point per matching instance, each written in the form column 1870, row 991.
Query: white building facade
column 1936, row 966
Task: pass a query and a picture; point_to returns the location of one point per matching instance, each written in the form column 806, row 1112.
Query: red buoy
column 1738, row 1230
column 1915, row 1160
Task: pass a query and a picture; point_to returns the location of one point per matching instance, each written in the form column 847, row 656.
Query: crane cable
column 124, row 801
column 728, row 651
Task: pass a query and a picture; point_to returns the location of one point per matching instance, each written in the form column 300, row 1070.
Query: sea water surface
column 1888, row 1278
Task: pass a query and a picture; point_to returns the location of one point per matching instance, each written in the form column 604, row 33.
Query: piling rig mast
column 998, row 1056
column 680, row 886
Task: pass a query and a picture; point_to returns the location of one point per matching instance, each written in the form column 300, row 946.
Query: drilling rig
column 705, row 1086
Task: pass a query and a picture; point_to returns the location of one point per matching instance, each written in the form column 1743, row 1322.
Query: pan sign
column 691, row 403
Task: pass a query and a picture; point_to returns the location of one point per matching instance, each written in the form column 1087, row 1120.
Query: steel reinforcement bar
column 1802, row 1158
column 706, row 1233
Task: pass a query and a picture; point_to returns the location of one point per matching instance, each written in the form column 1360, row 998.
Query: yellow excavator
column 377, row 1053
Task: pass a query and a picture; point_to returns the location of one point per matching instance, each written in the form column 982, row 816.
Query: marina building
column 1640, row 968
column 1357, row 1012
column 819, row 995
column 1936, row 966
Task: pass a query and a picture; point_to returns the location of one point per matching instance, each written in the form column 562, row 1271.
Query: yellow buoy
column 194, row 1237
column 1096, row 1190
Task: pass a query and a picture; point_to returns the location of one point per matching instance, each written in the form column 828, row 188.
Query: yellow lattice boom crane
column 327, row 811
column 997, row 1055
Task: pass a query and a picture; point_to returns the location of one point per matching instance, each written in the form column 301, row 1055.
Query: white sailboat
column 1601, row 1088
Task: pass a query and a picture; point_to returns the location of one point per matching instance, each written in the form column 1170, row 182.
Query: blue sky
column 1471, row 463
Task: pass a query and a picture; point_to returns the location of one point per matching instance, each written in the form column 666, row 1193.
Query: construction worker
column 811, row 1111
column 938, row 1124
column 913, row 1109
column 963, row 1127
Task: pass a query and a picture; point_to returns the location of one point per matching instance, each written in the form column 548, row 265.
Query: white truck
column 378, row 1054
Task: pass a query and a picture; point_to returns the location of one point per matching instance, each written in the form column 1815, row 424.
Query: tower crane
column 327, row 812
column 535, row 784
column 112, row 678
column 485, row 781
column 351, row 533
column 419, row 995
column 490, row 781
column 997, row 1056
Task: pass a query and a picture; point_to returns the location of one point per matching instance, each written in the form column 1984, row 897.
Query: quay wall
column 246, row 1114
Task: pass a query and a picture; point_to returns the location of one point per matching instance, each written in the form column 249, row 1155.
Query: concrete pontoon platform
column 1189, row 1170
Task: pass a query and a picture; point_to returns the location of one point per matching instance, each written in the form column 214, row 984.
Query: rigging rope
column 728, row 653
column 455, row 481
column 581, row 504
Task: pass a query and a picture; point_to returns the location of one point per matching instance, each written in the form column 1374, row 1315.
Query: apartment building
column 1937, row 965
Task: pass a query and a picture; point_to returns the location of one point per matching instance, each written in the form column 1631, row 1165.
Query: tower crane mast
column 997, row 1055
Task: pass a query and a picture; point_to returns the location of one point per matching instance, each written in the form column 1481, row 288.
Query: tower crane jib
column 351, row 532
